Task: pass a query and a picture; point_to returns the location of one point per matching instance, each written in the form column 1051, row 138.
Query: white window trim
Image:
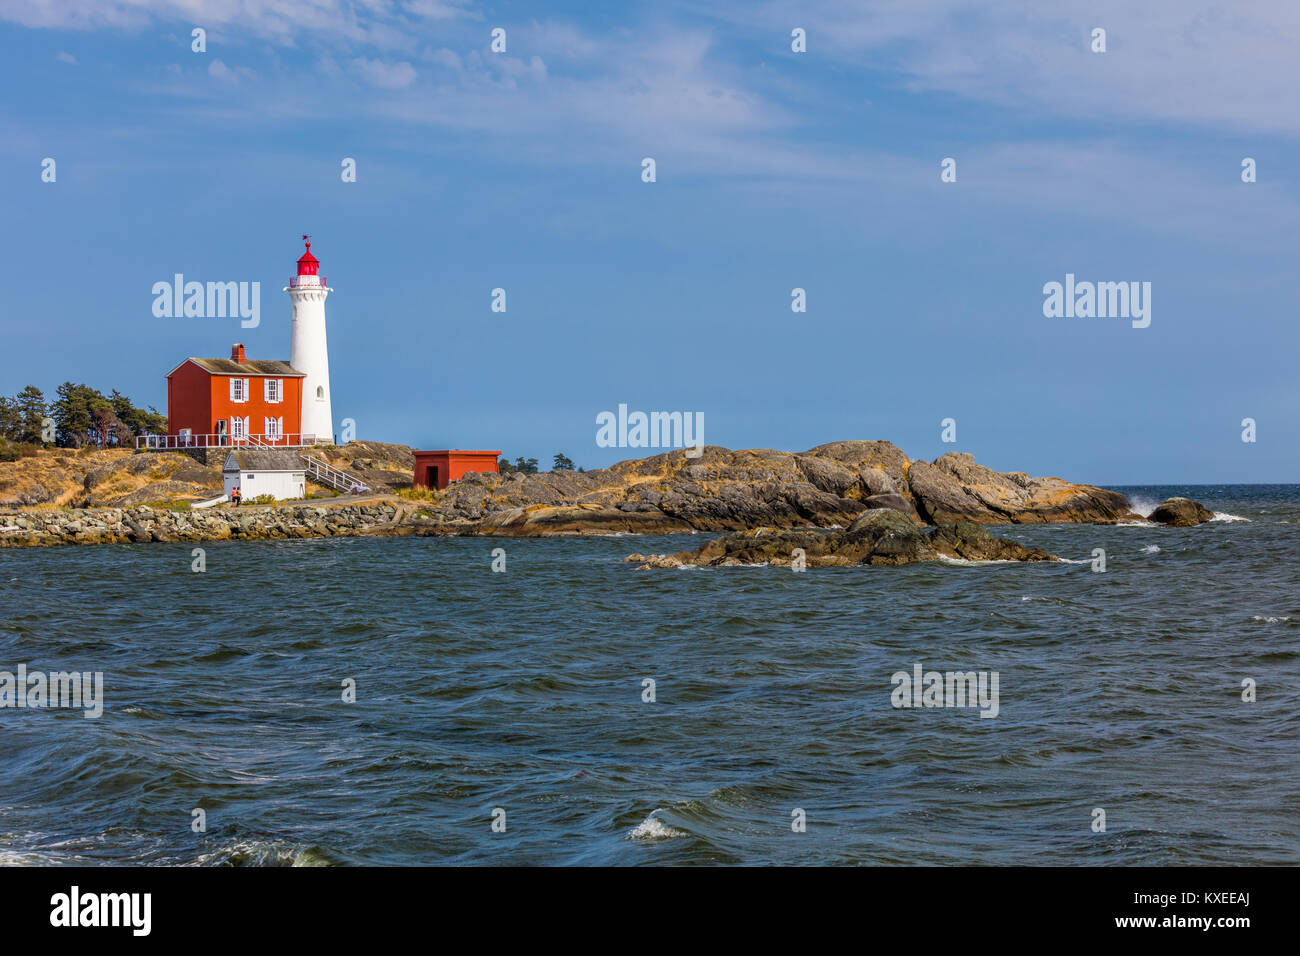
column 238, row 427
column 243, row 389
column 273, row 391
column 274, row 427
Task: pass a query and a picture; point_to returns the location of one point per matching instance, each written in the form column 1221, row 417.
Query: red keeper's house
column 223, row 401
column 438, row 469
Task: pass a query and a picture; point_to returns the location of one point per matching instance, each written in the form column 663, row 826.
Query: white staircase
column 340, row 481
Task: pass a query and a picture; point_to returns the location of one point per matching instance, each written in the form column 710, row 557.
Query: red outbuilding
column 438, row 469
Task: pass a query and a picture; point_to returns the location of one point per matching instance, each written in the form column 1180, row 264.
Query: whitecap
column 652, row 828
column 1143, row 506
column 261, row 853
column 966, row 563
column 1151, row 549
column 1269, row 620
column 1224, row 516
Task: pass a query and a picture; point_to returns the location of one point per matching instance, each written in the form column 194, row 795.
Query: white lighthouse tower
column 308, row 352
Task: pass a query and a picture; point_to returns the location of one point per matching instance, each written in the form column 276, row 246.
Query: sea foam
column 652, row 828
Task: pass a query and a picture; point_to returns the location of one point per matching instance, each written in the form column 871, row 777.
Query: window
column 320, row 392
column 239, row 389
column 274, row 428
column 274, row 390
column 238, row 427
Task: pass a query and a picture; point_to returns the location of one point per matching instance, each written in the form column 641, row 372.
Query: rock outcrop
column 1181, row 513
column 91, row 477
column 956, row 488
column 724, row 490
column 851, row 489
column 881, row 537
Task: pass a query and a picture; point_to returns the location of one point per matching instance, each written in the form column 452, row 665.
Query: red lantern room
column 307, row 263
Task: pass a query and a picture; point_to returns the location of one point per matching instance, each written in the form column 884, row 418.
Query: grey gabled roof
column 262, row 459
column 219, row 366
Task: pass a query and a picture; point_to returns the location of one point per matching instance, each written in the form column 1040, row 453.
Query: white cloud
column 437, row 9
column 217, row 69
column 63, row 57
column 444, row 57
column 390, row 76
column 1184, row 61
column 382, row 23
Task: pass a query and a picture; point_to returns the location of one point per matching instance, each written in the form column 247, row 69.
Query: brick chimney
column 237, row 353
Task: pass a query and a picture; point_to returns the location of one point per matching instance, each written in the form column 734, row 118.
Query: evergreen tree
column 137, row 421
column 9, row 419
column 30, row 404
column 74, row 415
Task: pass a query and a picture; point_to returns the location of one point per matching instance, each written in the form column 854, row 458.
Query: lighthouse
column 308, row 352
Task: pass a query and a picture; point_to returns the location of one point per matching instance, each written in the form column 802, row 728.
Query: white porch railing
column 172, row 442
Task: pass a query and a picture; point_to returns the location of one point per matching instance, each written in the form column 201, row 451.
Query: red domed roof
column 307, row 263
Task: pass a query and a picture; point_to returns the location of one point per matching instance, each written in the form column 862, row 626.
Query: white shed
column 264, row 471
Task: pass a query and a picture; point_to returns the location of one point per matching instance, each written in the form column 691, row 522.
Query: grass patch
column 416, row 494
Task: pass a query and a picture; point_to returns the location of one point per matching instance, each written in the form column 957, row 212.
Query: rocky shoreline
column 144, row 524
column 828, row 487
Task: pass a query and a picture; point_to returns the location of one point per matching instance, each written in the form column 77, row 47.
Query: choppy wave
column 652, row 828
column 264, row 853
column 1141, row 505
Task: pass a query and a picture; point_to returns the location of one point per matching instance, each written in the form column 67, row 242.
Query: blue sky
column 775, row 170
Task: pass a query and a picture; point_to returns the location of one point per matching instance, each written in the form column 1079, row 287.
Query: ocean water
column 523, row 691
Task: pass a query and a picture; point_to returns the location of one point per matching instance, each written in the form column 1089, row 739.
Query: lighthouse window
column 320, row 391
column 274, row 390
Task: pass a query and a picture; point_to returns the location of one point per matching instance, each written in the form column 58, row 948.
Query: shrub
column 12, row 451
